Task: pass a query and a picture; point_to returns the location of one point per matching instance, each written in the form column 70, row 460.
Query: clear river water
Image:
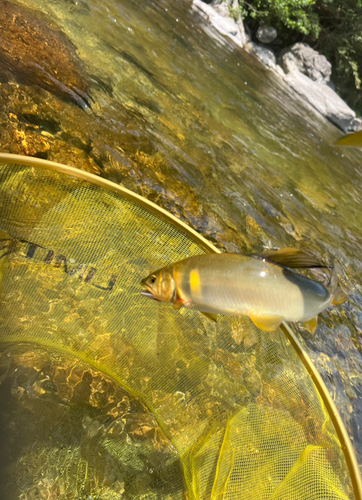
column 182, row 116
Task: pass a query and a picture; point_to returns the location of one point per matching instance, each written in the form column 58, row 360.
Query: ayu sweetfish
column 262, row 287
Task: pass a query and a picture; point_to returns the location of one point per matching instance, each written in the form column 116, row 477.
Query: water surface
column 201, row 128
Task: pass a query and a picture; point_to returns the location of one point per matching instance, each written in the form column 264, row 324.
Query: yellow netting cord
column 237, row 405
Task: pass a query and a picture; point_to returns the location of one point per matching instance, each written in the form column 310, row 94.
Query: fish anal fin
column 291, row 257
column 311, row 325
column 212, row 317
column 178, row 305
column 266, row 323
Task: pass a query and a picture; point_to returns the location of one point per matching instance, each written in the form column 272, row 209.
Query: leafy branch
column 333, row 27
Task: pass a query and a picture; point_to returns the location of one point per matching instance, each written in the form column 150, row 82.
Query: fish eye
column 153, row 279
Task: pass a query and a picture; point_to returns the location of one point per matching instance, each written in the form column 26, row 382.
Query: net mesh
column 236, row 405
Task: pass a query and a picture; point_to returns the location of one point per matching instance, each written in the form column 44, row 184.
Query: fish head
column 159, row 285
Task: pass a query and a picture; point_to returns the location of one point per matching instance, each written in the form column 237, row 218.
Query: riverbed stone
column 322, row 98
column 264, row 54
column 266, row 34
column 35, row 52
column 303, row 58
column 356, row 125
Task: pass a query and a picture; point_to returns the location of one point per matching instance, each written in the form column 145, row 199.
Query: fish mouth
column 147, row 293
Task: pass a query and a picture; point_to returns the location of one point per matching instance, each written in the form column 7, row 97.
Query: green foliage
column 294, row 14
column 340, row 40
column 333, row 27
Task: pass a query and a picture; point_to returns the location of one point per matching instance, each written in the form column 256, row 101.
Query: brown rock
column 33, row 53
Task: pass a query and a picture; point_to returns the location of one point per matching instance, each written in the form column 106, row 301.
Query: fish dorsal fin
column 212, row 317
column 290, row 257
column 266, row 323
column 311, row 325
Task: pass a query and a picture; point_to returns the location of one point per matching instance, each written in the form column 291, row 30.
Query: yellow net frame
column 196, row 452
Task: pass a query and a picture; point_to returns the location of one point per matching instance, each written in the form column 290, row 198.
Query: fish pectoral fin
column 266, row 323
column 212, row 317
column 291, row 257
column 178, row 300
column 311, row 325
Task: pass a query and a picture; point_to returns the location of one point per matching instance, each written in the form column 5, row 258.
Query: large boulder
column 221, row 8
column 308, row 73
column 323, row 98
column 303, row 58
column 218, row 14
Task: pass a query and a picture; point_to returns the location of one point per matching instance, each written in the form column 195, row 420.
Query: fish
column 261, row 286
column 351, row 140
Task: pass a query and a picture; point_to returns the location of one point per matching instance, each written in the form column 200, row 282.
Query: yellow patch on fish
column 195, row 284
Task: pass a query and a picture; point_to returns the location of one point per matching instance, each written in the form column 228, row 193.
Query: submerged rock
column 47, row 422
column 120, row 148
column 33, row 53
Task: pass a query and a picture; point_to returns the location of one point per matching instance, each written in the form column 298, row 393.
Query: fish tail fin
column 338, row 295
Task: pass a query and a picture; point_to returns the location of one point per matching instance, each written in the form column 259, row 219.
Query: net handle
column 317, row 379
